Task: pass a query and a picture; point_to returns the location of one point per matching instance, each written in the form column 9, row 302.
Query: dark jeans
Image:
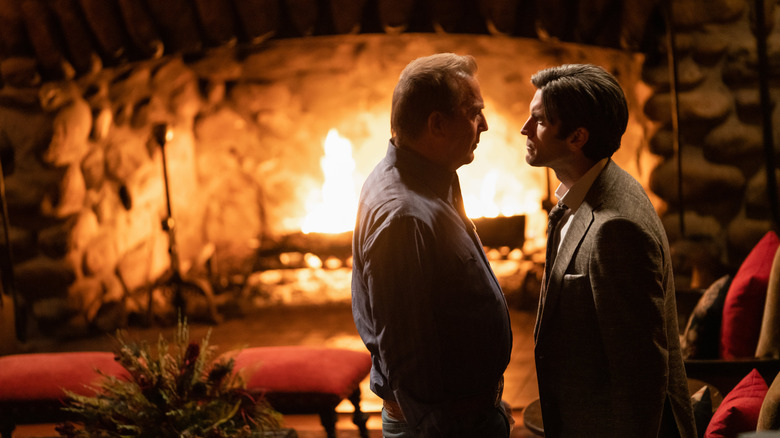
column 493, row 424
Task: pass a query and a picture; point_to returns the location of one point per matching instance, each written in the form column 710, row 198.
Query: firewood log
column 259, row 18
column 216, row 19
column 303, row 15
column 178, row 25
column 395, row 15
column 13, row 39
column 41, row 29
column 500, row 15
column 105, row 20
column 347, row 15
column 447, row 15
column 141, row 29
column 76, row 37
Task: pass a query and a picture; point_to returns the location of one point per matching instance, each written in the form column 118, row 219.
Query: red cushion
column 738, row 412
column 303, row 369
column 44, row 376
column 744, row 306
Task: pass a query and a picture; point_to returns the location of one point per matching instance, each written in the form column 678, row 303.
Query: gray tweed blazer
column 607, row 348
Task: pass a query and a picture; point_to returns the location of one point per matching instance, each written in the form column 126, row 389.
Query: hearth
column 248, row 161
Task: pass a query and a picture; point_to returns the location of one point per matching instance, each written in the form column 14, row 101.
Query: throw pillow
column 744, row 305
column 769, row 416
column 740, row 409
column 769, row 338
column 701, row 338
column 702, row 409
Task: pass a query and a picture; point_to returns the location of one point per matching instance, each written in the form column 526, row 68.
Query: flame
column 334, row 208
column 497, row 183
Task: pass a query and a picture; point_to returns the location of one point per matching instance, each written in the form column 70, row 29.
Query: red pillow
column 744, row 306
column 738, row 412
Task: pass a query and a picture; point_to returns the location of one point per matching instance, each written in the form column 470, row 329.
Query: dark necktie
column 556, row 213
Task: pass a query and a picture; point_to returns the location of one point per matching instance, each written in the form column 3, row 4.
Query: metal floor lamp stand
column 185, row 293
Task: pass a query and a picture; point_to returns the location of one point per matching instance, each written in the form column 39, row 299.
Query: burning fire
column 497, row 183
column 334, row 208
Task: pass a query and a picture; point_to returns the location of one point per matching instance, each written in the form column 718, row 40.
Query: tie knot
column 557, row 211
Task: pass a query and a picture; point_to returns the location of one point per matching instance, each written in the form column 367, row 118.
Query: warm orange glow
column 497, row 183
column 334, row 208
column 312, row 260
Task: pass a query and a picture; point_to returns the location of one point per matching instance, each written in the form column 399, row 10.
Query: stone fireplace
column 251, row 130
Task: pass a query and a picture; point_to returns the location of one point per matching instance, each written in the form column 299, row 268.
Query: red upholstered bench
column 32, row 385
column 307, row 380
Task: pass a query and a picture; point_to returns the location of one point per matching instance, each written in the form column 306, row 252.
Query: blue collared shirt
column 424, row 298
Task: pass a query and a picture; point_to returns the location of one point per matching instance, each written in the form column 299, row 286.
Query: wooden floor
column 330, row 326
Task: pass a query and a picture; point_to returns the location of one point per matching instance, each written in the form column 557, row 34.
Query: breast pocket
column 575, row 282
column 576, row 305
column 576, row 286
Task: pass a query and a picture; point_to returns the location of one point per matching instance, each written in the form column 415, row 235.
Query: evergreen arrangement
column 178, row 392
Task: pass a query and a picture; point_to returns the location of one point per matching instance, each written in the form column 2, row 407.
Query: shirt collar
column 574, row 196
column 434, row 176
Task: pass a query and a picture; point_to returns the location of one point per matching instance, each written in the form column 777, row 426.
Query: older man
column 425, row 300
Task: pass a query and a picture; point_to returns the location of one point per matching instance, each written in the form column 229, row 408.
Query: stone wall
column 86, row 193
column 724, row 193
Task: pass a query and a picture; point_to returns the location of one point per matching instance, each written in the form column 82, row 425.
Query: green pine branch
column 176, row 391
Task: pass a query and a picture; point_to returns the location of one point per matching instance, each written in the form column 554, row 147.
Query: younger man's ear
column 578, row 138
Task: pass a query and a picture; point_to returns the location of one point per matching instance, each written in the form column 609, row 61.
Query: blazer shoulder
column 615, row 186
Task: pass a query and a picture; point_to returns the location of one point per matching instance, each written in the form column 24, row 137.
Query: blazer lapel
column 577, row 229
column 581, row 223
